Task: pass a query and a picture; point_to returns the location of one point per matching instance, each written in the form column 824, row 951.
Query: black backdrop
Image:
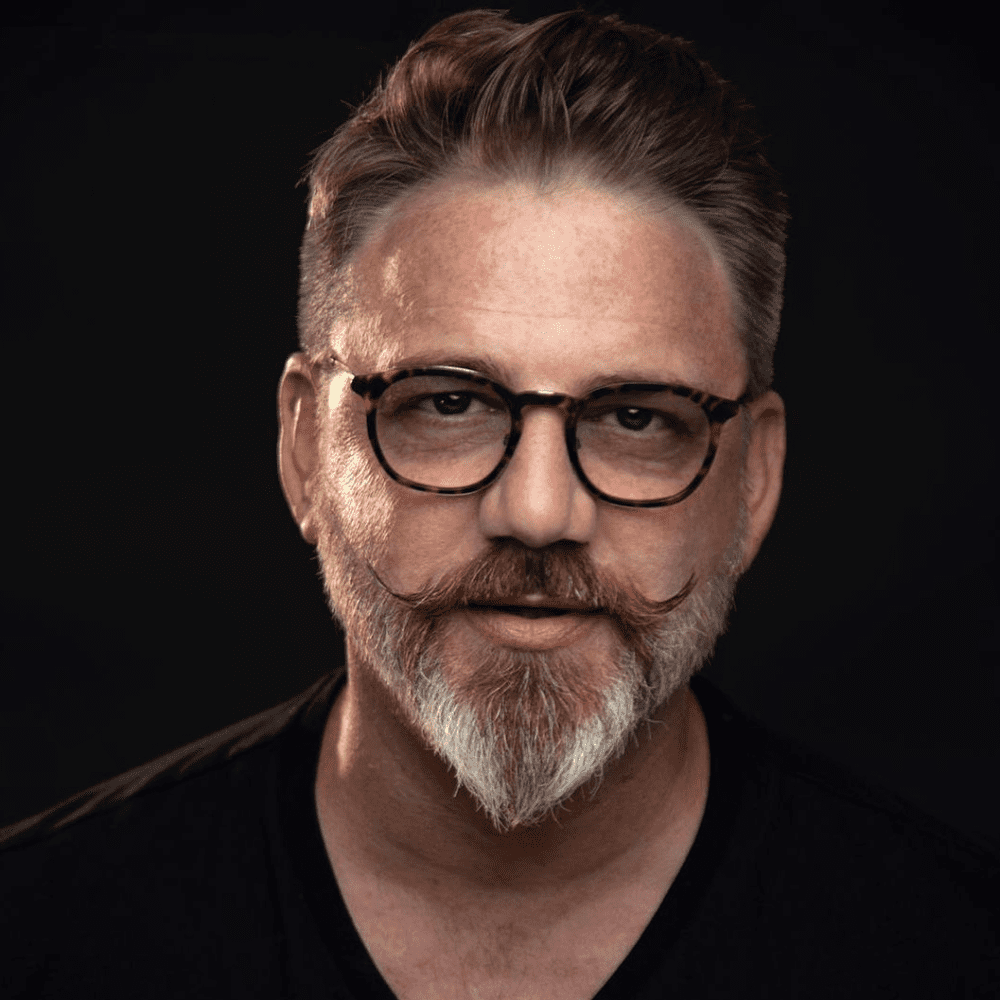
column 155, row 587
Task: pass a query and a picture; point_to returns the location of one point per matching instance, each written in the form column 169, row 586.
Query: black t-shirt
column 203, row 874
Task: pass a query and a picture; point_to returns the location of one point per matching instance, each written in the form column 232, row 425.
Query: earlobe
column 297, row 441
column 764, row 469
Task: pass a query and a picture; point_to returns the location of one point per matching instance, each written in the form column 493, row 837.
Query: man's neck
column 388, row 805
column 449, row 909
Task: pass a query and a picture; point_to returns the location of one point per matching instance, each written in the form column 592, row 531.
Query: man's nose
column 539, row 499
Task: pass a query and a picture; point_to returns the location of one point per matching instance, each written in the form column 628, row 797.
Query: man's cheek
column 658, row 560
column 356, row 499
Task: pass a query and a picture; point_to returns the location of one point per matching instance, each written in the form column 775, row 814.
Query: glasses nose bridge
column 547, row 398
column 541, row 397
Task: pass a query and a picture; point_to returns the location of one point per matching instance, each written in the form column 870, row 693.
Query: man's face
column 565, row 291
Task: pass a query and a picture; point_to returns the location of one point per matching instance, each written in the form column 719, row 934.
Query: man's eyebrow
column 477, row 363
column 498, row 372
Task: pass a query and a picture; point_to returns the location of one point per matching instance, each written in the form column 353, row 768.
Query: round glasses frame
column 371, row 387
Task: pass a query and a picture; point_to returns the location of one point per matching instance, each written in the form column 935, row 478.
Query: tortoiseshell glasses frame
column 371, row 388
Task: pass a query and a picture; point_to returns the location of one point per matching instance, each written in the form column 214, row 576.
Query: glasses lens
column 441, row 431
column 642, row 444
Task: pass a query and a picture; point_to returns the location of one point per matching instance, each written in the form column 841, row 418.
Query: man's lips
column 532, row 606
column 539, row 625
column 524, row 611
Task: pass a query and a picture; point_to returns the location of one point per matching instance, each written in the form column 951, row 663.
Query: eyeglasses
column 453, row 430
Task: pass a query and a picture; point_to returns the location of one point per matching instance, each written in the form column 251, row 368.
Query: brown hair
column 623, row 106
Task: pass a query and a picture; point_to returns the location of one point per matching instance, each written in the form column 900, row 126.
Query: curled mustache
column 509, row 570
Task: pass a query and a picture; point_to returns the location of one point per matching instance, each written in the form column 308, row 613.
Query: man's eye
column 432, row 406
column 633, row 418
column 452, row 403
column 654, row 423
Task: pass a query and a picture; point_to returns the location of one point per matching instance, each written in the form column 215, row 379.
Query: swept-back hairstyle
column 573, row 94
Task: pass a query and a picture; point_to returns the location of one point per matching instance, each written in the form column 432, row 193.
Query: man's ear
column 765, row 463
column 298, row 441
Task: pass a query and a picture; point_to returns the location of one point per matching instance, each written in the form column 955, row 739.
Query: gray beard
column 527, row 734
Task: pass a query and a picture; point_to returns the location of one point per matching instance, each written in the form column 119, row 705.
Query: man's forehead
column 575, row 262
column 551, row 253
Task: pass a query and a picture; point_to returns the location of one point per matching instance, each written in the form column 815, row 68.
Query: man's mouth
column 524, row 612
column 536, row 609
column 533, row 621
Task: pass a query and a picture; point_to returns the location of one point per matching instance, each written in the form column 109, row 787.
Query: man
column 531, row 435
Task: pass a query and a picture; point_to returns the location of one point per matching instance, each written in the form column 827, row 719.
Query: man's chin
column 522, row 737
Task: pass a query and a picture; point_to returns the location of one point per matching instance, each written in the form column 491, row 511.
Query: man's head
column 571, row 95
column 525, row 628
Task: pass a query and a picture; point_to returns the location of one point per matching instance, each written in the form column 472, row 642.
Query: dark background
column 155, row 587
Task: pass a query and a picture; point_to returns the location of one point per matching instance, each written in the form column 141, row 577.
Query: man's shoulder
column 172, row 866
column 814, row 798
column 821, row 832
column 815, row 864
column 229, row 758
